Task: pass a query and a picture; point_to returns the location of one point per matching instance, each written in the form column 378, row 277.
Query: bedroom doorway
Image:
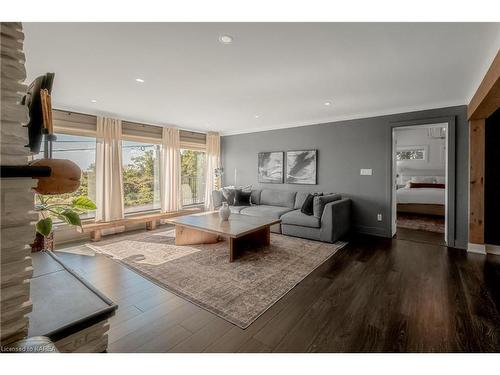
column 420, row 182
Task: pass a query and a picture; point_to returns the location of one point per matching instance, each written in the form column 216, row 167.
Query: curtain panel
column 170, row 170
column 212, row 161
column 109, row 180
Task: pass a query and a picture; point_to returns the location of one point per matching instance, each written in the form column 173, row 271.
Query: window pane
column 141, row 182
column 80, row 150
column 192, row 177
column 416, row 154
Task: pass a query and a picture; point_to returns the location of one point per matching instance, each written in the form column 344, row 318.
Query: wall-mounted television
column 33, row 101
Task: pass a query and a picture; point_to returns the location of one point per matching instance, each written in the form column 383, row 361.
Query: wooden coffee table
column 207, row 227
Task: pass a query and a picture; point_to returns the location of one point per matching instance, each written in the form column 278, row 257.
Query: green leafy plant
column 67, row 212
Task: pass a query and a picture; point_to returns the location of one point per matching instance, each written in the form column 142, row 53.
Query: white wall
column 418, row 137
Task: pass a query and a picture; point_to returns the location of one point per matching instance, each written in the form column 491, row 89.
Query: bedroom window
column 414, row 153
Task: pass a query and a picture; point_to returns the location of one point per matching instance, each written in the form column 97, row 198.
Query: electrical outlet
column 365, row 172
column 379, row 217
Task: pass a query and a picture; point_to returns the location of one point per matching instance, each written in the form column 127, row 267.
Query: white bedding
column 420, row 195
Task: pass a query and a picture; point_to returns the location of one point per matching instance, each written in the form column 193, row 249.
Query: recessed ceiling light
column 226, row 39
column 93, row 101
column 140, row 80
column 257, row 116
column 327, row 103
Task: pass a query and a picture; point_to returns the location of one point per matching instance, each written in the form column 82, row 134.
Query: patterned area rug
column 240, row 291
column 421, row 222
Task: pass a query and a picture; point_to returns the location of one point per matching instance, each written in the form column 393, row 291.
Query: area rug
column 421, row 222
column 240, row 291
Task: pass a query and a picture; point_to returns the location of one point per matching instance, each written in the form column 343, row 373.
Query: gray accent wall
column 344, row 148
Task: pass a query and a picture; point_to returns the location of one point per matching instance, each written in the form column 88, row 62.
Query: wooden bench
column 95, row 229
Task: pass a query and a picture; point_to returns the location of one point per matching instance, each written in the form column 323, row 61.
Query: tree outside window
column 192, row 177
column 141, row 178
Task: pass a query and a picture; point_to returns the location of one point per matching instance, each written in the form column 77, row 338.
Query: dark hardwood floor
column 375, row 295
column 432, row 238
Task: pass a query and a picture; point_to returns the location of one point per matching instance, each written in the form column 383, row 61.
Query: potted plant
column 66, row 212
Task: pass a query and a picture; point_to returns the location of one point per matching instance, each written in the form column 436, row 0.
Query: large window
column 81, row 150
column 192, row 177
column 141, row 178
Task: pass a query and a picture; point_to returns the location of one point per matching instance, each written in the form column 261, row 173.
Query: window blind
column 74, row 123
column 133, row 131
column 193, row 140
column 68, row 122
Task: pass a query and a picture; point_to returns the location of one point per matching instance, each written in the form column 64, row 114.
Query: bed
column 419, row 196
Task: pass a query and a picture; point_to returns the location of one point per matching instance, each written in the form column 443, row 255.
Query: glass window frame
column 195, row 148
column 148, row 142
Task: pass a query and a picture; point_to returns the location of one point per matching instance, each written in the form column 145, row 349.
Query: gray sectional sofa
column 329, row 222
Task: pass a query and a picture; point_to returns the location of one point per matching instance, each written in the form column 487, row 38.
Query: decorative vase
column 224, row 211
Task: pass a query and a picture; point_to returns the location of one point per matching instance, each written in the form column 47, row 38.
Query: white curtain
column 212, row 161
column 109, row 180
column 170, row 170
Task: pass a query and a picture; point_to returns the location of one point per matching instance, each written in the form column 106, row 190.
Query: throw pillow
column 242, row 198
column 246, row 188
column 255, row 197
column 321, row 201
column 228, row 194
column 307, row 206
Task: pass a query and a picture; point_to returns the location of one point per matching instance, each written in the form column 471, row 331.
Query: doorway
column 421, row 183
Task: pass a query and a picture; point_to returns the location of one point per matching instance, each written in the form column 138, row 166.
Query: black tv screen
column 33, row 101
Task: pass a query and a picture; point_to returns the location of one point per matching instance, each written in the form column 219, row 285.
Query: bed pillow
column 420, row 185
column 424, row 179
column 421, row 180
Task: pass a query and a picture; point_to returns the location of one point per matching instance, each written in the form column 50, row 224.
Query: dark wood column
column 485, row 102
column 476, row 200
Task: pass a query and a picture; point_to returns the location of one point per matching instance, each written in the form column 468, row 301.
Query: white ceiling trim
column 338, row 119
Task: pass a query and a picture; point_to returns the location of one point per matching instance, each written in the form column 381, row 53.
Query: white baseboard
column 476, row 248
column 493, row 249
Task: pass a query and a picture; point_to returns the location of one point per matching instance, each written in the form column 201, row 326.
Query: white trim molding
column 493, row 249
column 476, row 248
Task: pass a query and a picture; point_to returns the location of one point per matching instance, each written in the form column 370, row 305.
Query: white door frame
column 450, row 172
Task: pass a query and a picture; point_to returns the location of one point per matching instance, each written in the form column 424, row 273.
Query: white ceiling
column 283, row 72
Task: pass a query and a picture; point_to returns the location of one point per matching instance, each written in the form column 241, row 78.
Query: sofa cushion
column 277, row 198
column 273, row 212
column 321, row 201
column 255, row 196
column 298, row 218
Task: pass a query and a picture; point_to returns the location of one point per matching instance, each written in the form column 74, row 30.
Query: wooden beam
column 486, row 100
column 476, row 199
